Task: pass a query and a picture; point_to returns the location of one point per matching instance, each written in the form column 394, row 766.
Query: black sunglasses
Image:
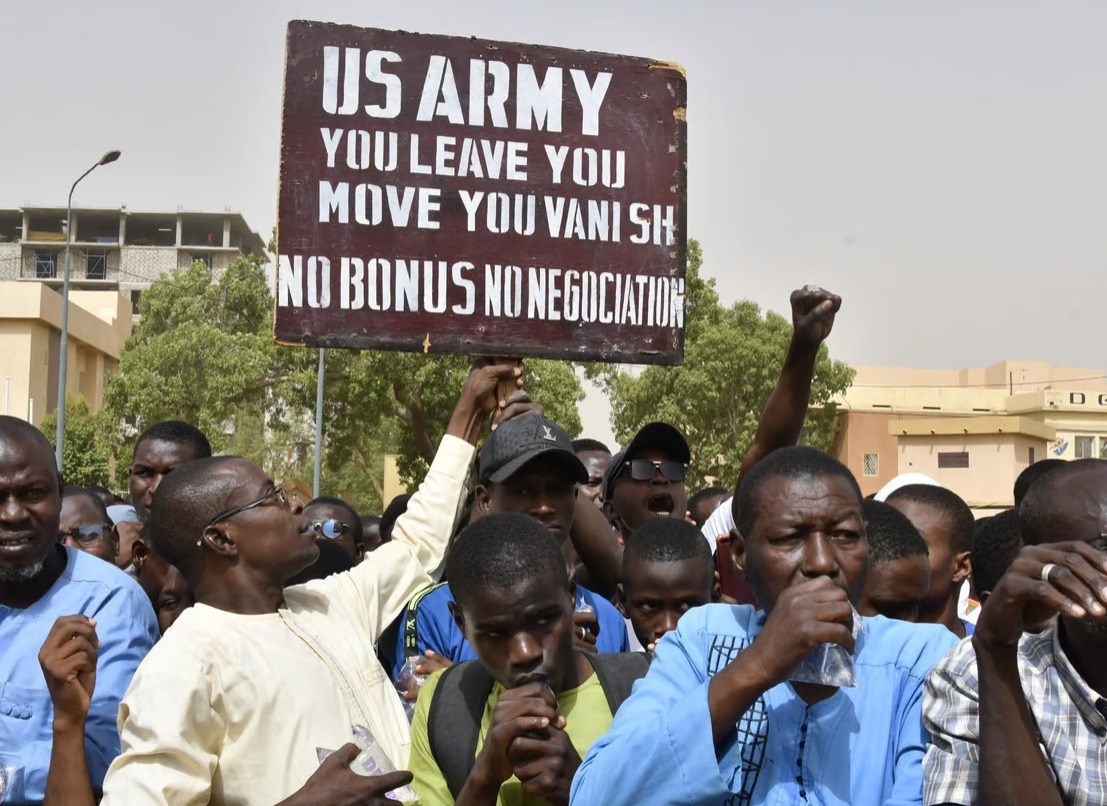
column 646, row 469
column 330, row 529
column 86, row 534
column 279, row 492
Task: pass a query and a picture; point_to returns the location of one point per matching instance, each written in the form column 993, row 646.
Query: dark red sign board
column 445, row 194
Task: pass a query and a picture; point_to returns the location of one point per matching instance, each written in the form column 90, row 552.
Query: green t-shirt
column 587, row 718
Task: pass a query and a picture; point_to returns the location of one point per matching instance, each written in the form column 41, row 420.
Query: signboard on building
column 456, row 195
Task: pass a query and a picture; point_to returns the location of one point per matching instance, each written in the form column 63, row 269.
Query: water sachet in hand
column 372, row 760
column 829, row 664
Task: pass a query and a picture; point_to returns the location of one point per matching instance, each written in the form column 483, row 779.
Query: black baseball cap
column 661, row 436
column 521, row 440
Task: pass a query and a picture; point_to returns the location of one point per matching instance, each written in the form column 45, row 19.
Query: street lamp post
column 319, row 381
column 59, row 439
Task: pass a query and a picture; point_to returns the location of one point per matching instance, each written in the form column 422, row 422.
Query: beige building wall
column 994, row 462
column 1012, row 377
column 1079, row 417
column 15, row 368
column 30, row 341
column 43, row 363
column 1007, row 414
column 867, row 433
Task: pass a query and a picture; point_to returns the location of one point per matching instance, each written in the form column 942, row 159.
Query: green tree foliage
column 86, row 459
column 732, row 356
column 370, row 392
column 203, row 351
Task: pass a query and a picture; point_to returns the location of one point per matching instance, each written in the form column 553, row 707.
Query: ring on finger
column 1047, row 569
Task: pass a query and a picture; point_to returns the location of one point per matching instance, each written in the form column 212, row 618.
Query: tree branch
column 419, row 429
column 367, row 463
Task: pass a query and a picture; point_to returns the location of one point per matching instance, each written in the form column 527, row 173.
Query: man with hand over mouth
column 512, row 726
column 726, row 714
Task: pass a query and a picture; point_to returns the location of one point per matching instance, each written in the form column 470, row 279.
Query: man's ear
column 738, row 552
column 621, row 599
column 139, row 552
column 218, row 540
column 482, row 499
column 458, row 616
column 962, row 566
column 612, row 518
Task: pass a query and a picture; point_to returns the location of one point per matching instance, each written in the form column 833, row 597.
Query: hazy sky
column 942, row 165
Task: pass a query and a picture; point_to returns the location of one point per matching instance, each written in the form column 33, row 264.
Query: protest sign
column 447, row 194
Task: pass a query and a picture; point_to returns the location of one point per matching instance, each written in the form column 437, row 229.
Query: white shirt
column 719, row 524
column 229, row 709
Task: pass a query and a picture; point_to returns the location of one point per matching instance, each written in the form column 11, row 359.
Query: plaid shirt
column 1071, row 718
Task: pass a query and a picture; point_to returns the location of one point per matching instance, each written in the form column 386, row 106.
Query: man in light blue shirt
column 721, row 717
column 40, row 581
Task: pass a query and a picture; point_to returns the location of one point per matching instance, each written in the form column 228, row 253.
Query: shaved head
column 188, row 500
column 1065, row 503
column 12, row 429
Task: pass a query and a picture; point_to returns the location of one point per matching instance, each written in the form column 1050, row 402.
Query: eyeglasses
column 646, row 469
column 330, row 529
column 277, row 492
column 85, row 535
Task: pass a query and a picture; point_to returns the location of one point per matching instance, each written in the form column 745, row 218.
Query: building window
column 96, row 265
column 202, row 257
column 1085, row 447
column 870, row 464
column 951, row 459
column 1030, row 455
column 46, row 265
column 1103, row 447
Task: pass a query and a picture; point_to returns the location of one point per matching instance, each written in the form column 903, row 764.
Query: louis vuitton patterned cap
column 520, row 441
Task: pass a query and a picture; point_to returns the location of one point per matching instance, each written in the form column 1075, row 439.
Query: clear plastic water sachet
column 829, row 664
column 372, row 760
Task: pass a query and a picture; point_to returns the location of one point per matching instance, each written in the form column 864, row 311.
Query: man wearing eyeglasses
column 256, row 681
column 42, row 582
column 333, row 519
column 84, row 524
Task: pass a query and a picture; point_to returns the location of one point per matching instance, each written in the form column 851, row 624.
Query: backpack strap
column 461, row 694
column 453, row 720
column 617, row 673
column 409, row 621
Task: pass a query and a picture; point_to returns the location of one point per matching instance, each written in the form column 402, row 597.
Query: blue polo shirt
column 426, row 623
column 127, row 629
column 862, row 745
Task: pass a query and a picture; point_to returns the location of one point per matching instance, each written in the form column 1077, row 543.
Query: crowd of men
column 543, row 621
